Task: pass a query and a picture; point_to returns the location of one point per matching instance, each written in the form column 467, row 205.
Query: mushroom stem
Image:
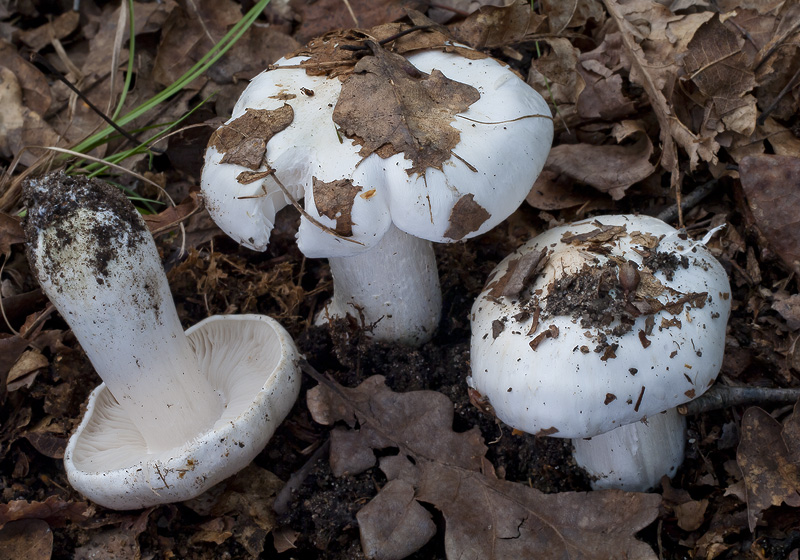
column 393, row 289
column 634, row 457
column 99, row 265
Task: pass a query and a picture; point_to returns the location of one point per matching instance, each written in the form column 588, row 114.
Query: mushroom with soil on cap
column 176, row 413
column 599, row 329
column 392, row 153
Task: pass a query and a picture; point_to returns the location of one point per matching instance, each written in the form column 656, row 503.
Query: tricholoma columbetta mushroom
column 599, row 329
column 176, row 413
column 393, row 143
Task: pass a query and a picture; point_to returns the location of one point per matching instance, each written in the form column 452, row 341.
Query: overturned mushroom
column 390, row 154
column 176, row 413
column 598, row 329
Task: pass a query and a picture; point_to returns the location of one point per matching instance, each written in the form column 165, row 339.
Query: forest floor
column 652, row 101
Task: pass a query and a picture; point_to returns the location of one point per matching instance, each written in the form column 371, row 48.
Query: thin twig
column 352, row 13
column 689, row 201
column 789, row 85
column 302, row 210
column 36, row 57
column 776, row 46
column 389, row 39
column 281, row 503
column 724, row 396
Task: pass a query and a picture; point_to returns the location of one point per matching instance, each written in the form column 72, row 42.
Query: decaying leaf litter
column 660, row 97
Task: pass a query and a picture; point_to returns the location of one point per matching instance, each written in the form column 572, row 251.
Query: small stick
column 789, row 85
column 724, row 396
column 284, row 497
column 387, row 40
column 39, row 59
column 689, row 201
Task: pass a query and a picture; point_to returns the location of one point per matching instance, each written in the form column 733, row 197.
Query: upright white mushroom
column 400, row 152
column 598, row 329
column 176, row 413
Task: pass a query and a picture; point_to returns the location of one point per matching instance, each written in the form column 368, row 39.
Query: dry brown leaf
column 394, row 524
column 35, row 86
column 691, row 515
column 769, row 463
column 259, row 47
column 555, row 191
column 284, row 538
column 562, row 14
column 769, row 182
column 485, row 517
column 717, row 66
column 609, row 169
column 244, row 140
column 325, row 15
column 120, row 543
column 10, row 233
column 334, row 200
column 780, row 43
column 788, row 306
column 54, row 510
column 603, row 97
column 172, row 216
column 389, row 107
column 467, row 216
column 19, row 125
column 28, row 364
column 58, row 28
column 492, row 27
column 555, row 77
column 11, row 348
column 759, row 28
column 148, row 18
column 657, row 75
column 519, row 272
column 248, row 497
column 216, row 531
column 188, row 33
column 30, row 539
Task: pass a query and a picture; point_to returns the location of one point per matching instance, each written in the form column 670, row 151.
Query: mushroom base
column 392, row 289
column 251, row 360
column 634, row 457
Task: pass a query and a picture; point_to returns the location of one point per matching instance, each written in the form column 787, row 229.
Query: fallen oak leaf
column 492, row 27
column 769, row 462
column 485, row 517
column 389, row 107
column 334, row 200
column 172, row 216
column 244, row 140
column 55, row 510
column 716, row 64
column 31, row 539
column 11, row 233
column 609, row 169
column 673, row 132
column 769, row 184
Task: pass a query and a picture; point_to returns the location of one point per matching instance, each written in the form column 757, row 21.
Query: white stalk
column 98, row 264
column 393, row 286
column 634, row 457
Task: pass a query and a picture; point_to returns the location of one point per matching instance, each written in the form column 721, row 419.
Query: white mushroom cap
column 500, row 139
column 251, row 360
column 176, row 413
column 585, row 378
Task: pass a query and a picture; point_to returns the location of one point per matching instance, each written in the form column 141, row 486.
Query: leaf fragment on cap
column 467, row 216
column 334, row 200
column 243, row 141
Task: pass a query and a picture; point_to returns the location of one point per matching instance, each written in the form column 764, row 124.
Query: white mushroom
column 602, row 327
column 373, row 215
column 176, row 413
